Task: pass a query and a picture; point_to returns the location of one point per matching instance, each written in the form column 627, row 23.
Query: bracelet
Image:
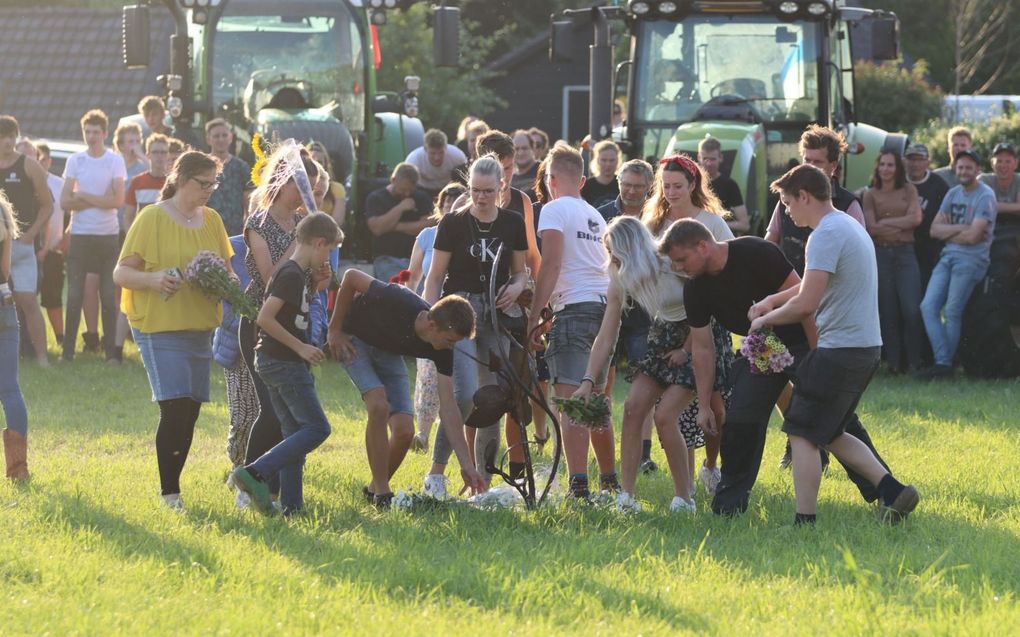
column 590, row 380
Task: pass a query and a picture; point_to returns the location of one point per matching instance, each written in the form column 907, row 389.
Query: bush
column 894, row 98
column 986, row 136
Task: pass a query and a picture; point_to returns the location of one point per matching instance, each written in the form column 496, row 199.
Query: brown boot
column 15, row 452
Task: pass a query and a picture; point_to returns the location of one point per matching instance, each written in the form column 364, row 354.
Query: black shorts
column 830, row 383
column 51, row 288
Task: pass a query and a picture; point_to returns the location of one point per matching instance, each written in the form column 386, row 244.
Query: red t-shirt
column 144, row 190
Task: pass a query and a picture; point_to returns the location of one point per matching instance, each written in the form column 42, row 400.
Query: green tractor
column 751, row 73
column 302, row 69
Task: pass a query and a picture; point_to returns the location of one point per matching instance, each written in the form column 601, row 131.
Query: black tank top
column 20, row 192
column 516, row 203
column 793, row 238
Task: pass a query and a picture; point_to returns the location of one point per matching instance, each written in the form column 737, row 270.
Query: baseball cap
column 916, row 149
column 968, row 153
column 1004, row 147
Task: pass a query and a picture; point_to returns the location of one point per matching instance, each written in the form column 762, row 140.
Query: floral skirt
column 664, row 337
column 724, row 355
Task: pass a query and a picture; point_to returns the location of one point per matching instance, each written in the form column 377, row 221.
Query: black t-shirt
column 597, row 194
column 384, row 317
column 526, row 180
column 755, row 268
column 728, row 192
column 931, row 192
column 395, row 244
column 473, row 245
column 289, row 284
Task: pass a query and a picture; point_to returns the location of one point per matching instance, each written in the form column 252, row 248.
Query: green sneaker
column 242, row 480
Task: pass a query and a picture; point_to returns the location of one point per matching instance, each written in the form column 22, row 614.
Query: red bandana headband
column 685, row 164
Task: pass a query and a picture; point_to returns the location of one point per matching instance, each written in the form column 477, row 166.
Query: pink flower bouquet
column 208, row 272
column 765, row 353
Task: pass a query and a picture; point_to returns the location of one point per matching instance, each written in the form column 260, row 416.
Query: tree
column 981, row 40
column 895, row 98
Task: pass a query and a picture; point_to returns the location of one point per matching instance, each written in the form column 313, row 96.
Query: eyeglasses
column 483, row 192
column 207, row 185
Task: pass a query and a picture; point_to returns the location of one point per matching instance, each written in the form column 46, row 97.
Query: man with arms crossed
column 840, row 289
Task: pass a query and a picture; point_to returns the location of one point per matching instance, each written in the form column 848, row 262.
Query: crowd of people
column 648, row 270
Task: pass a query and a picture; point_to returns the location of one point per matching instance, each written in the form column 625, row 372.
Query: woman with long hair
column 638, row 274
column 269, row 233
column 467, row 242
column 334, row 201
column 172, row 321
column 426, row 381
column 892, row 210
column 682, row 190
column 13, row 401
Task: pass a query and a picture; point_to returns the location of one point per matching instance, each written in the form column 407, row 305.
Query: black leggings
column 176, row 428
column 265, row 433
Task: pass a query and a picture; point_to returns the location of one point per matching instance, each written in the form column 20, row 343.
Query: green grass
column 88, row 549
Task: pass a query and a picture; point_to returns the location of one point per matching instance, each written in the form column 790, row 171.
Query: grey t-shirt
column 1004, row 195
column 947, row 174
column 848, row 312
column 962, row 207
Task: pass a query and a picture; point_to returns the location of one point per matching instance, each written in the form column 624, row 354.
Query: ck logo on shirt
column 485, row 250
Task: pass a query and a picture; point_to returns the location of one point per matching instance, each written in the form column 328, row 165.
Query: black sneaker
column 610, row 483
column 382, row 501
column 900, row 508
column 648, row 466
column 579, row 488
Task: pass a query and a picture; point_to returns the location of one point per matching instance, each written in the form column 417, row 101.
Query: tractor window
column 771, row 66
column 289, row 61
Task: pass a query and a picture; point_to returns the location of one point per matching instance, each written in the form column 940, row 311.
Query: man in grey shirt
column 840, row 288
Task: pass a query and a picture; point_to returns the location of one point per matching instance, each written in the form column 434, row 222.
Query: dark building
column 551, row 96
column 55, row 64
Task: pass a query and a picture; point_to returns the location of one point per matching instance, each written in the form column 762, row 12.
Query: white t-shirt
column 55, row 227
column 583, row 273
column 95, row 175
column 435, row 177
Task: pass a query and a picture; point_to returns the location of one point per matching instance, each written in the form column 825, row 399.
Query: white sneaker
column 710, row 478
column 435, row 486
column 242, row 500
column 625, row 503
column 173, row 501
column 680, row 505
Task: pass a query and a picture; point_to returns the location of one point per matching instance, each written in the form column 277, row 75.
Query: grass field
column 88, row 549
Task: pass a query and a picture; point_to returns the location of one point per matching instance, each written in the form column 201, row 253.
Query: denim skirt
column 177, row 363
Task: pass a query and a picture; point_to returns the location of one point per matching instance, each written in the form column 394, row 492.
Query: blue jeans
column 949, row 289
column 10, row 391
column 385, row 266
column 899, row 305
column 302, row 423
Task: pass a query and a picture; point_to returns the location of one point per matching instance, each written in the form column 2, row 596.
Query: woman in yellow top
column 172, row 322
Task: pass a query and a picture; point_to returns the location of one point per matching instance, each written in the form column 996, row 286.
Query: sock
column 801, row 519
column 889, row 489
column 517, row 470
column 607, row 477
column 646, row 449
column 579, row 482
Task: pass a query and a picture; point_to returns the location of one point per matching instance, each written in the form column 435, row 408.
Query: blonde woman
column 16, row 433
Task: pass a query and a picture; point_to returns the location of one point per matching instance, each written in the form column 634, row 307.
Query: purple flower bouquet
column 765, row 352
column 208, row 272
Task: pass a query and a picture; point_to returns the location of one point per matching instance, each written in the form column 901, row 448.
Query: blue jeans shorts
column 570, row 341
column 373, row 368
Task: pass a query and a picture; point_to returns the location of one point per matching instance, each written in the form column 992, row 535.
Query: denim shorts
column 24, row 268
column 177, row 363
column 373, row 368
column 570, row 341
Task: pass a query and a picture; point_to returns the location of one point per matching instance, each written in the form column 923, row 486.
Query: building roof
column 55, row 64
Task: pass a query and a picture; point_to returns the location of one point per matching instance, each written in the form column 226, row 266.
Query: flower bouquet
column 593, row 414
column 765, row 352
column 208, row 272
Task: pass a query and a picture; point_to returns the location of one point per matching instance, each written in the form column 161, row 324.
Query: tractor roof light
column 817, row 9
column 375, row 4
column 668, row 7
column 789, row 7
column 639, row 7
column 801, row 9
